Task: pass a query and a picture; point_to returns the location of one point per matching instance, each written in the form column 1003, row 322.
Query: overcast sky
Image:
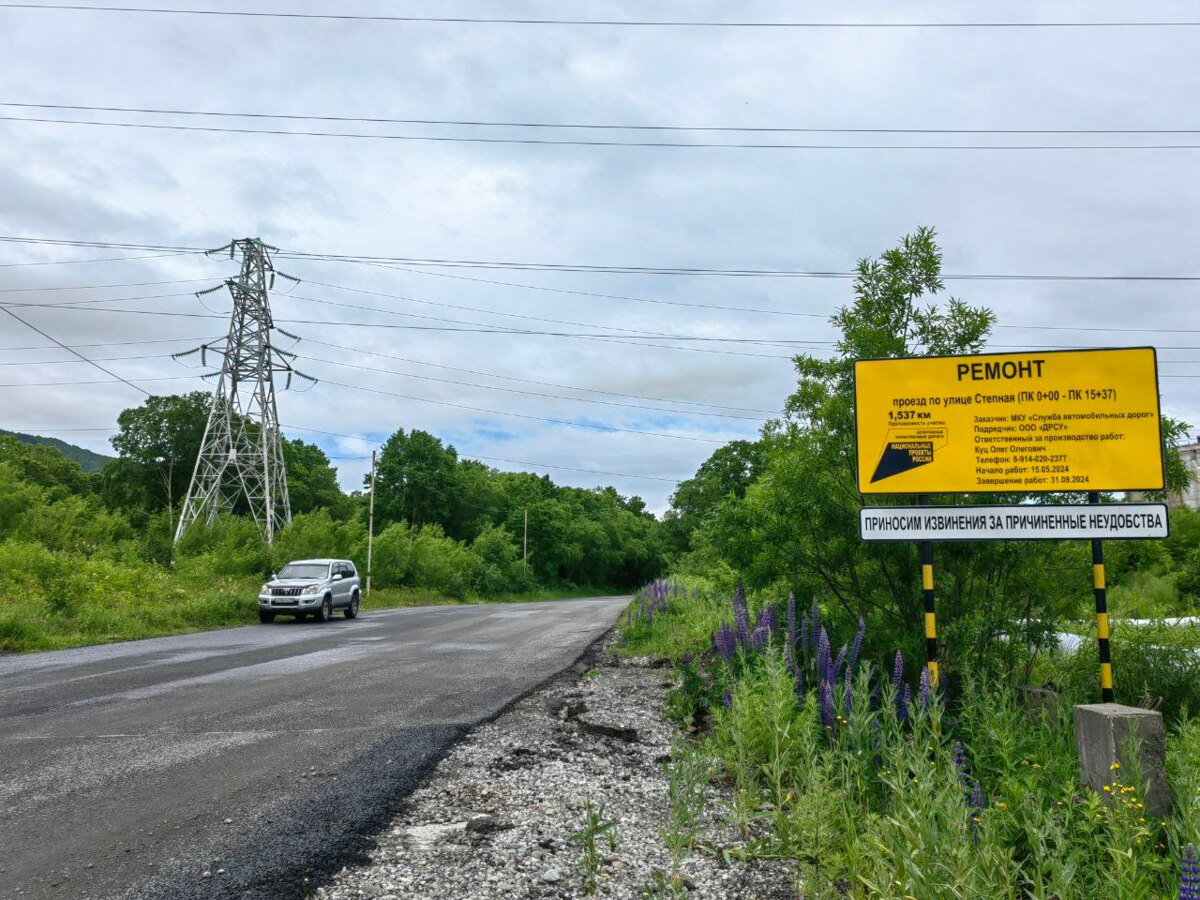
column 1097, row 212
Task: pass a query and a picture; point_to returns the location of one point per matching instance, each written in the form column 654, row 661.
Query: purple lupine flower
column 823, row 660
column 789, row 642
column 897, row 671
column 848, row 692
column 804, row 648
column 728, row 642
column 799, row 683
column 960, row 767
column 856, row 645
column 649, row 618
column 828, row 717
column 903, row 702
column 838, row 663
column 926, row 689
column 977, row 802
column 816, row 621
column 685, row 660
column 727, row 698
column 758, row 640
column 741, row 615
column 770, row 617
column 1189, row 874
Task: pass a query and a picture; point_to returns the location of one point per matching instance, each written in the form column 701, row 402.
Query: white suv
column 313, row 587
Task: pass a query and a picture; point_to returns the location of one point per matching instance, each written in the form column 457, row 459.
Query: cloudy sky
column 1013, row 212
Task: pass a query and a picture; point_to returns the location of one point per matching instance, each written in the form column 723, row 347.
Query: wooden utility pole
column 371, row 524
column 525, row 543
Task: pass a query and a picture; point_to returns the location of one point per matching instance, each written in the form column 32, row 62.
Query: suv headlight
column 311, row 589
column 265, row 589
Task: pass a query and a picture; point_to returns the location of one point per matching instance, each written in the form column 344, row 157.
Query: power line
column 630, row 332
column 608, row 269
column 676, row 145
column 186, row 340
column 55, row 340
column 590, row 126
column 637, row 23
column 72, row 362
column 689, row 271
column 500, row 412
column 97, row 287
column 569, row 387
column 520, row 462
column 658, row 409
column 41, row 384
column 717, row 307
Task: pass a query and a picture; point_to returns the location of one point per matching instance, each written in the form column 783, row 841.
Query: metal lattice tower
column 240, row 465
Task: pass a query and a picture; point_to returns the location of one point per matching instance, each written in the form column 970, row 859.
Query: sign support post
column 1101, row 587
column 931, row 647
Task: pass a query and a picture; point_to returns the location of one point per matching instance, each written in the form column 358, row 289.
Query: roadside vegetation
column 89, row 558
column 817, row 715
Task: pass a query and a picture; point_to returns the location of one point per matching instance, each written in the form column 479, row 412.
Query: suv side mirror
column 274, row 575
column 337, row 577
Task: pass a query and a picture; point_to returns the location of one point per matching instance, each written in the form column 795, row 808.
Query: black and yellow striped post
column 1101, row 588
column 931, row 647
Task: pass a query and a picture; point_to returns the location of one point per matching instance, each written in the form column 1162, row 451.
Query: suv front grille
column 285, row 592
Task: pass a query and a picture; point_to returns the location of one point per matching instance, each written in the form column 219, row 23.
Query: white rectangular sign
column 1110, row 522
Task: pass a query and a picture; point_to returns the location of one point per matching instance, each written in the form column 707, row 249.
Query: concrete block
column 1102, row 731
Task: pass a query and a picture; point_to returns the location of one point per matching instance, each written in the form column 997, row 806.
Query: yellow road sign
column 1062, row 420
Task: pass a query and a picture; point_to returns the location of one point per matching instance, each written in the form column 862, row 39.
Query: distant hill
column 88, row 461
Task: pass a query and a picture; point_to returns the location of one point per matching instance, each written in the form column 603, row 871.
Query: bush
column 1152, row 664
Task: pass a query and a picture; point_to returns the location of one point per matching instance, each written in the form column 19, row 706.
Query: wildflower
column 960, row 767
column 838, row 663
column 804, row 638
column 926, row 689
column 1000, row 804
column 823, row 660
column 727, row 698
column 897, row 671
column 768, row 618
column 848, row 692
column 1114, row 767
column 903, row 699
column 759, row 638
column 1189, row 875
column 741, row 616
column 828, row 717
column 789, row 644
column 977, row 803
column 856, row 645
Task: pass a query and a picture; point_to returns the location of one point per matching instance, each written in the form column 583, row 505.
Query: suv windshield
column 304, row 570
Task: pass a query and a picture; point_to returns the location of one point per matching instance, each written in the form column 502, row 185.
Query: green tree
column 312, row 481
column 729, row 471
column 415, row 479
column 157, row 445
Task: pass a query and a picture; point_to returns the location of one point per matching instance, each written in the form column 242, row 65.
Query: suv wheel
column 352, row 609
column 325, row 613
column 265, row 617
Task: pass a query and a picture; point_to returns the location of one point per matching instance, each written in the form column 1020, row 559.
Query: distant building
column 1190, row 454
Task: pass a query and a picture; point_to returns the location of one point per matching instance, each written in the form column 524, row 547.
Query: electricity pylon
column 240, row 464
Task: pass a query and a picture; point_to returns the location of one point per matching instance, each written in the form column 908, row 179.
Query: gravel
column 495, row 817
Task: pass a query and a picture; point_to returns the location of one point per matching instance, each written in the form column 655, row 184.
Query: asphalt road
column 270, row 752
